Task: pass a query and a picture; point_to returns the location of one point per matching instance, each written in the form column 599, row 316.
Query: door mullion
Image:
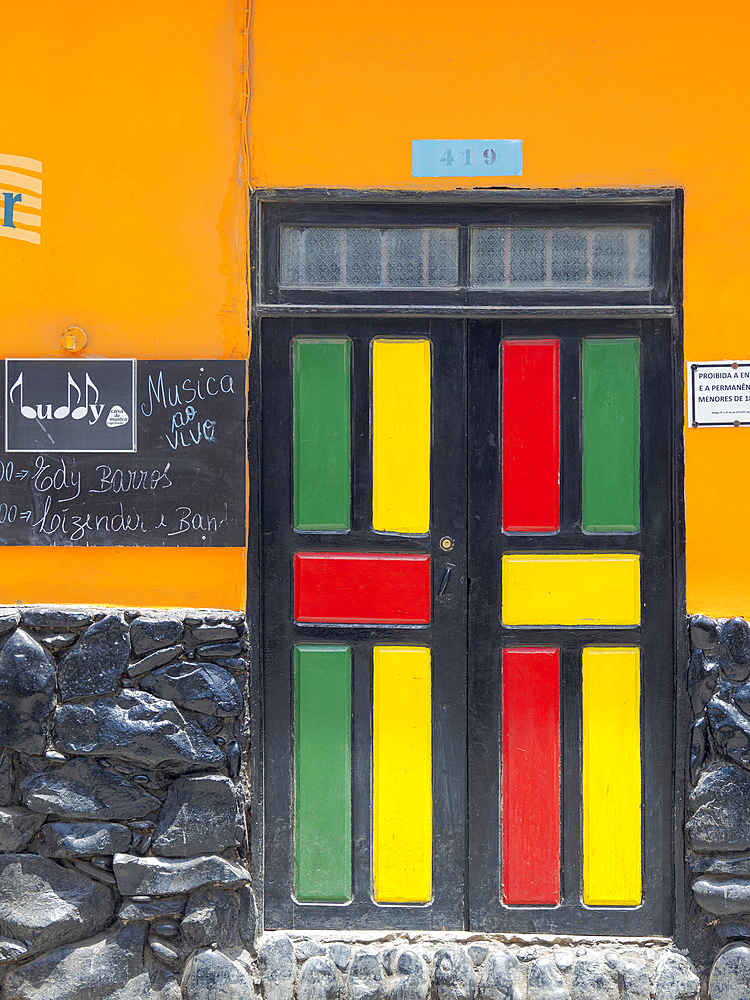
column 570, row 434
column 449, row 626
column 361, row 440
column 361, row 772
column 572, row 802
column 484, row 553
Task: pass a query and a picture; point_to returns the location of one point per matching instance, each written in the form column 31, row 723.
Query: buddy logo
column 59, row 406
column 47, row 411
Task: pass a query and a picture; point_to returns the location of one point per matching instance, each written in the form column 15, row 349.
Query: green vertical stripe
column 322, row 770
column 322, row 450
column 611, row 435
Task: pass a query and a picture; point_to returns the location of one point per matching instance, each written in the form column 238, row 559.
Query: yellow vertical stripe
column 571, row 589
column 401, row 395
column 611, row 776
column 402, row 774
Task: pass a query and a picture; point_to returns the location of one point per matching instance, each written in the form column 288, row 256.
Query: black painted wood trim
column 460, row 209
column 393, row 204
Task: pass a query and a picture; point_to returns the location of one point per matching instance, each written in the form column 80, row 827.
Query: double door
column 466, row 617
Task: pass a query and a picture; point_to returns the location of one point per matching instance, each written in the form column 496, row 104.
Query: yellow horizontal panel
column 571, row 589
column 611, row 776
column 402, row 774
column 401, row 394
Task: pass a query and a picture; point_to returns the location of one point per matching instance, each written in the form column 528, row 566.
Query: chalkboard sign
column 119, row 452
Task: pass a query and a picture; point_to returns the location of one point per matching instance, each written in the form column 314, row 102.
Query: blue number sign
column 466, row 158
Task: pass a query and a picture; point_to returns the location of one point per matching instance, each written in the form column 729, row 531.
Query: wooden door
column 364, row 622
column 572, row 609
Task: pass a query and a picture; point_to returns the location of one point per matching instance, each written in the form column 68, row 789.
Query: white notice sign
column 718, row 393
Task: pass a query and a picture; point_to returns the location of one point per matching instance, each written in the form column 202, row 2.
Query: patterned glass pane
column 368, row 258
column 364, row 257
column 561, row 257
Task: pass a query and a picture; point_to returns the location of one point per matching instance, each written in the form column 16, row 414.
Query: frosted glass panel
column 321, row 256
column 561, row 257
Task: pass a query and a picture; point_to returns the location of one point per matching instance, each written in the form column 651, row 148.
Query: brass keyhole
column 446, row 543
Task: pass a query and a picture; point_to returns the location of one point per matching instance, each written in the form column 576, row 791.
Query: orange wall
column 601, row 94
column 136, row 109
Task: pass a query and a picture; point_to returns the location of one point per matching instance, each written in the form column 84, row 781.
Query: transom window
column 554, row 257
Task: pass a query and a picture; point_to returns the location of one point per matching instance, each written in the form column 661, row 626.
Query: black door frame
column 663, row 207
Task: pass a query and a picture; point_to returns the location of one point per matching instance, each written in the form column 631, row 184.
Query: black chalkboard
column 156, row 455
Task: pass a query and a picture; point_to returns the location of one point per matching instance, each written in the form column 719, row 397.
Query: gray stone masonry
column 717, row 830
column 123, row 800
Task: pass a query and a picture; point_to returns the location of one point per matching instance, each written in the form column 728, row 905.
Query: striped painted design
column 20, row 198
column 612, row 776
column 402, row 774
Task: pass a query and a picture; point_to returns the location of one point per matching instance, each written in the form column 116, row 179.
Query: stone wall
column 124, row 853
column 718, row 822
column 122, row 806
column 470, row 967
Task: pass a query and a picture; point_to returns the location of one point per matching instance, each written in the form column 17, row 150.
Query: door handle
column 449, row 567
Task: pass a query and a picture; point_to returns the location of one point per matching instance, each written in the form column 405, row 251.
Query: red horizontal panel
column 531, row 776
column 531, row 435
column 361, row 588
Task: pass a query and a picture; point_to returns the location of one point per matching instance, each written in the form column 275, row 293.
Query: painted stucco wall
column 601, row 95
column 136, row 112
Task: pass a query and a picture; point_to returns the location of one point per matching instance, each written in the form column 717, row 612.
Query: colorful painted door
column 548, row 465
column 471, row 555
column 571, row 626
column 364, row 622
